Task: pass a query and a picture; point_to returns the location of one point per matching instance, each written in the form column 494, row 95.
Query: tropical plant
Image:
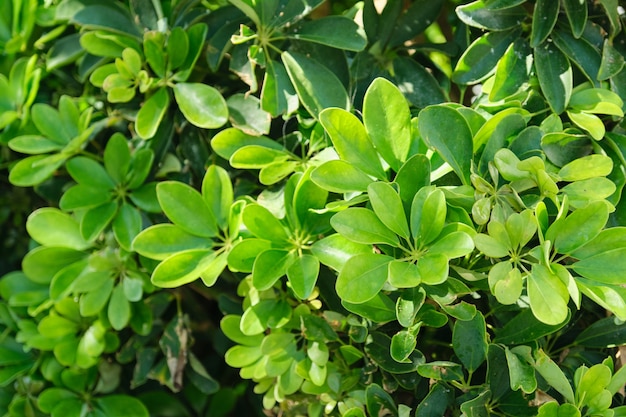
column 312, row 208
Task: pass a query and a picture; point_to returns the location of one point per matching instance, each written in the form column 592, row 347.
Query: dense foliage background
column 312, row 207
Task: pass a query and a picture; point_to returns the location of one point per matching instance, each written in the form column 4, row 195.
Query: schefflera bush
column 443, row 259
column 454, row 259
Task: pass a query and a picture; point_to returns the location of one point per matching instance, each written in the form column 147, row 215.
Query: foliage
column 312, row 208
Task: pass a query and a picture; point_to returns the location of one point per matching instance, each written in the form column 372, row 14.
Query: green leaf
column 428, row 215
column 186, row 208
column 612, row 61
column 589, row 166
column 50, row 124
column 453, row 245
column 217, row 191
column 107, row 17
column 336, row 31
column 435, row 404
column 606, row 267
column 351, row 141
column 433, row 268
column 151, row 114
column 242, row 256
column 576, row 11
column 269, row 266
column 317, row 87
column 454, row 144
column 117, row 160
column 302, row 275
column 550, row 371
column 388, row 208
column 122, row 406
column 379, row 402
column 119, row 309
column 522, row 374
column 598, row 101
column 36, row 169
column 335, row 250
column 361, row 225
column 416, row 83
column 88, row 172
column 362, row 277
column 603, row 333
column 412, row 176
column 42, row 263
column 278, row 95
column 555, row 75
column 380, row 308
column 182, row 268
column 548, row 295
column 580, row 227
column 477, row 15
column 262, row 223
column 52, row 227
column 387, row 120
column 408, row 304
column 481, row 57
column 96, row 219
column 34, row 144
column 214, row 268
column 245, row 113
column 512, row 71
column 339, row 176
column 92, row 302
column 469, row 341
column 545, row 15
column 404, row 274
column 201, row 104
column 83, row 196
column 127, row 225
column 581, row 53
column 255, row 156
column 177, row 47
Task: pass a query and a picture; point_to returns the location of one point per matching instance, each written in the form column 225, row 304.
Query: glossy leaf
column 388, row 207
column 52, row 227
column 480, row 59
column 477, row 15
column 361, row 225
column 576, row 11
column 454, row 144
column 182, row 268
column 269, row 266
column 151, row 114
column 336, row 31
column 545, row 15
column 201, row 104
column 317, row 87
column 351, row 141
column 362, row 277
column 580, row 227
column 339, row 176
column 186, row 208
column 387, row 121
column 469, row 341
column 302, row 275
column 548, row 295
column 555, row 76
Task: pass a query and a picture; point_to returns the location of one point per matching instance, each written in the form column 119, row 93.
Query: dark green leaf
column 576, row 12
column 545, row 15
column 555, row 76
column 336, row 31
column 317, row 87
column 477, row 15
column 482, row 56
column 186, row 208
